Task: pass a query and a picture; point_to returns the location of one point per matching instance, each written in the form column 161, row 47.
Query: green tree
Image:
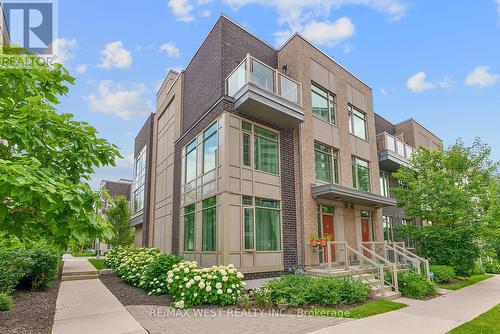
column 118, row 216
column 46, row 159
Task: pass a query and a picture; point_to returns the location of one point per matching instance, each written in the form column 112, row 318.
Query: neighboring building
column 4, row 30
column 140, row 194
column 256, row 149
column 395, row 144
column 114, row 188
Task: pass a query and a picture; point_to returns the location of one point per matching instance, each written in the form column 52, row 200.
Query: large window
column 326, row 163
column 361, row 174
column 189, row 226
column 191, row 161
column 210, row 148
column 261, row 224
column 323, row 104
column 357, row 122
column 139, row 181
column 265, row 148
column 384, row 184
column 209, row 225
column 388, row 228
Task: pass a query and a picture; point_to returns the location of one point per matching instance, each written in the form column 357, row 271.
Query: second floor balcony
column 393, row 152
column 263, row 93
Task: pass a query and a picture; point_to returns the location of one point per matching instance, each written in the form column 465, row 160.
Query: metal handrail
column 411, row 255
column 389, row 264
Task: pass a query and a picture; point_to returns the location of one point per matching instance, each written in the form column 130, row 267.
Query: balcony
column 263, row 93
column 392, row 152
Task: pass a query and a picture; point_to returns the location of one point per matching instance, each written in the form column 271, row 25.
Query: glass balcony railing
column 251, row 70
column 386, row 141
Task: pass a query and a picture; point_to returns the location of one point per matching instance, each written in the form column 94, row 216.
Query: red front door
column 365, row 232
column 328, row 228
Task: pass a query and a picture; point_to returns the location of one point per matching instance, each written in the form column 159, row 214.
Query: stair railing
column 386, row 265
column 421, row 263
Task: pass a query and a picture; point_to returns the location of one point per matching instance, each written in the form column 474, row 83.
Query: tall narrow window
column 191, row 161
column 265, row 150
column 323, row 104
column 388, row 229
column 249, row 228
column 209, row 225
column 246, row 150
column 189, row 222
column 210, row 148
column 361, row 174
column 326, row 163
column 267, row 225
column 357, row 122
column 384, row 183
column 138, row 185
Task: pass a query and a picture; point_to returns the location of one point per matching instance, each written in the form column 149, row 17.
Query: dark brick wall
column 145, row 137
column 381, row 125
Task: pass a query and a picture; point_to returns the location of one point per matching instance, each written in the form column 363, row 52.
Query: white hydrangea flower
column 208, row 288
column 185, row 279
column 223, row 272
column 219, row 292
column 186, row 270
column 231, row 271
column 243, row 283
column 170, row 281
column 233, row 286
column 201, row 285
column 177, row 277
column 218, row 285
column 224, row 278
column 197, row 278
column 229, row 290
column 195, row 294
column 239, row 275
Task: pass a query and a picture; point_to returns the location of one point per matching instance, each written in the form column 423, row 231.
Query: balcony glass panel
column 400, row 148
column 391, row 145
column 409, row 152
column 262, row 76
column 289, row 89
column 237, row 79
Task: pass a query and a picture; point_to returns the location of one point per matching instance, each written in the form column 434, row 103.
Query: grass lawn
column 360, row 311
column 485, row 323
column 458, row 284
column 98, row 263
column 83, row 254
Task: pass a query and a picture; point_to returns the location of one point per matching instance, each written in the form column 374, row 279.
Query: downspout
column 301, row 190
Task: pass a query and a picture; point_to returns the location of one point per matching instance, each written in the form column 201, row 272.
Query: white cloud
column 387, row 92
column 446, row 82
column 299, row 15
column 182, row 9
column 482, row 77
column 114, row 55
column 348, row 48
column 170, row 49
column 126, row 162
column 80, row 69
column 113, row 98
column 417, row 83
column 62, row 47
column 206, row 13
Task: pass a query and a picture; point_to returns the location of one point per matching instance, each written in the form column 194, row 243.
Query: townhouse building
column 255, row 150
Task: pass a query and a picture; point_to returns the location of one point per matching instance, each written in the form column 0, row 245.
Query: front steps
column 81, row 275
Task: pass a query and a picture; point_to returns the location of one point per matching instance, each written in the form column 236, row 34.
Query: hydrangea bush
column 154, row 278
column 190, row 285
column 131, row 263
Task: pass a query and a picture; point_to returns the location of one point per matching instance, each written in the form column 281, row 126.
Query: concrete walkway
column 87, row 306
column 437, row 316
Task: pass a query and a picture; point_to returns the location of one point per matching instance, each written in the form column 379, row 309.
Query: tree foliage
column 46, row 158
column 451, row 186
column 118, row 216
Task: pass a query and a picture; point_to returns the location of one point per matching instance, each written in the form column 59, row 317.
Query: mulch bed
column 33, row 311
column 130, row 295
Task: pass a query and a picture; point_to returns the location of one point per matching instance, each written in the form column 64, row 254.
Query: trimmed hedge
column 442, row 273
column 415, row 286
column 301, row 290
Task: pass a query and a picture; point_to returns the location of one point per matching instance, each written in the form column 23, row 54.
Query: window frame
column 139, row 182
column 191, row 214
column 189, row 150
column 214, row 127
column 384, row 184
column 258, row 203
column 333, row 154
column 331, row 102
column 211, row 206
column 254, row 133
column 355, row 173
column 352, row 111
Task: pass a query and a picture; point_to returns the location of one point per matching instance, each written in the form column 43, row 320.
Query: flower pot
column 314, row 243
column 323, row 243
column 282, row 307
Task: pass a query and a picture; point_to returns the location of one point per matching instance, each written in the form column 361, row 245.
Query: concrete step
column 389, row 295
column 79, row 277
column 79, row 273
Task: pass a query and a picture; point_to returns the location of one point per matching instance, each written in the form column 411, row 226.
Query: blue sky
column 435, row 61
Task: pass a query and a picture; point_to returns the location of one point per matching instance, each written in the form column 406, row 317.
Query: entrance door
column 365, row 232
column 328, row 228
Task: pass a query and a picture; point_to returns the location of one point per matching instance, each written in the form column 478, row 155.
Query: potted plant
column 314, row 240
column 282, row 303
column 324, row 239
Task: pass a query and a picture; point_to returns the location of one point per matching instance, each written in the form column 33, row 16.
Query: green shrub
column 442, row 273
column 154, row 278
column 43, row 268
column 189, row 285
column 493, row 267
column 300, row 290
column 14, row 265
column 262, row 297
column 134, row 263
column 6, row 302
column 415, row 286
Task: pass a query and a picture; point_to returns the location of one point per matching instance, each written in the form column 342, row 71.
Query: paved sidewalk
column 87, row 306
column 437, row 316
